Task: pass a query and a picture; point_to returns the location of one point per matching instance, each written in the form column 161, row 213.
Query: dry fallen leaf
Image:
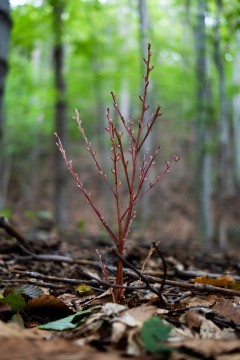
column 47, row 302
column 198, row 323
column 208, row 330
column 199, row 301
column 226, row 308
column 13, row 330
column 221, row 281
column 138, row 315
column 193, row 319
column 209, row 347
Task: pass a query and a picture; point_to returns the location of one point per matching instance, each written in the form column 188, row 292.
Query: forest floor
column 196, row 316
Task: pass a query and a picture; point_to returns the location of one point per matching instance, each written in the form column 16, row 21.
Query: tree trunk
column 61, row 175
column 224, row 183
column 5, row 27
column 202, row 127
column 236, row 113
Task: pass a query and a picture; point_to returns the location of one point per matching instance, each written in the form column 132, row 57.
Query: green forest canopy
column 102, row 40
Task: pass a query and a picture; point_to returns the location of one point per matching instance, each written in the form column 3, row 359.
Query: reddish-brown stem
column 132, row 195
column 150, row 126
column 133, row 176
column 129, row 130
column 93, row 153
column 124, row 163
column 84, row 191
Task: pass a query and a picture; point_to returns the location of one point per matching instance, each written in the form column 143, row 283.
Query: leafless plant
column 130, row 167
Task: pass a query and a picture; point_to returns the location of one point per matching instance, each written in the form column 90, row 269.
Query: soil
column 201, row 317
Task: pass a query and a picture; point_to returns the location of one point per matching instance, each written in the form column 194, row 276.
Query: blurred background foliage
column 103, row 52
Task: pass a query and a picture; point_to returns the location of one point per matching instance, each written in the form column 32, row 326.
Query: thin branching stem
column 150, row 126
column 123, row 160
column 84, row 191
column 133, row 171
column 92, row 152
column 128, row 128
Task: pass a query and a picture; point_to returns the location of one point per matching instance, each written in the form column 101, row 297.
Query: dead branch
column 198, row 287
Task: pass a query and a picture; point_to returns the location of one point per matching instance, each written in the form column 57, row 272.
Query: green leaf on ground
column 15, row 300
column 153, row 332
column 69, row 322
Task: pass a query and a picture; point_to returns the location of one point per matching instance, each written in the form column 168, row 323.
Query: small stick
column 164, row 268
column 12, row 231
column 199, row 287
column 33, row 282
column 37, row 275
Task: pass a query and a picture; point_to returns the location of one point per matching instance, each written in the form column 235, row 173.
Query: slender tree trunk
column 236, row 113
column 5, row 27
column 96, row 63
column 203, row 134
column 224, row 183
column 61, row 176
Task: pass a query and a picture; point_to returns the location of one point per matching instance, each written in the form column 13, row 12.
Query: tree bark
column 236, row 113
column 202, row 128
column 224, row 183
column 61, row 175
column 5, row 27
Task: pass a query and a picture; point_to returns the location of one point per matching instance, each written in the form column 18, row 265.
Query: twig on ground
column 111, row 285
column 37, row 275
column 92, row 282
column 32, row 282
column 164, row 267
column 192, row 274
column 150, row 253
column 12, row 231
column 199, row 287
